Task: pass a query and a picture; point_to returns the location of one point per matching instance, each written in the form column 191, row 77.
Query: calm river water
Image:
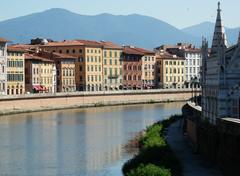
column 85, row 142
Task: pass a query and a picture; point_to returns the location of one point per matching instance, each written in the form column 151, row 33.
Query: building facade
column 3, row 66
column 73, row 48
column 112, row 66
column 93, row 65
column 88, row 66
column 170, row 71
column 39, row 75
column 148, row 69
column 15, row 71
column 132, row 68
column 220, row 76
column 193, row 60
column 65, row 69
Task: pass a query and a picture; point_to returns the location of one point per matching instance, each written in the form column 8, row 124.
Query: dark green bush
column 154, row 150
column 149, row 170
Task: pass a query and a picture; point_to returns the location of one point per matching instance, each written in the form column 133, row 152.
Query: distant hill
column 206, row 29
column 60, row 24
column 139, row 30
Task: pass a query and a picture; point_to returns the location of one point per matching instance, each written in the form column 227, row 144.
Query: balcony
column 113, row 76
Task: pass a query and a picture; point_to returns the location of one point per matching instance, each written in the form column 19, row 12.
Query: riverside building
column 39, row 74
column 88, row 66
column 132, row 68
column 3, row 66
column 112, row 66
column 220, row 76
column 170, row 71
column 193, row 61
column 15, row 71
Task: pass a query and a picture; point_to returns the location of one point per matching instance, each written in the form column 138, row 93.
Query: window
column 73, row 51
column 80, row 51
column 67, row 51
column 139, row 77
column 105, row 71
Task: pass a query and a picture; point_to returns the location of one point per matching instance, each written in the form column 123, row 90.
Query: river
column 84, row 142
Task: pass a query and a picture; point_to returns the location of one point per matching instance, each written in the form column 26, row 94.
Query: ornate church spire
column 219, row 36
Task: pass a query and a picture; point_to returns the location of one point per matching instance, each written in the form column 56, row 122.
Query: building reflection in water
column 74, row 142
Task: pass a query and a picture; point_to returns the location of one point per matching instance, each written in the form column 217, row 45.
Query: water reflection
column 74, row 142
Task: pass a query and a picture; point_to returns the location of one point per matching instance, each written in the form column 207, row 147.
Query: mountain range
column 134, row 29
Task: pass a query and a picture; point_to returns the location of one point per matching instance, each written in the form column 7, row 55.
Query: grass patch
column 155, row 157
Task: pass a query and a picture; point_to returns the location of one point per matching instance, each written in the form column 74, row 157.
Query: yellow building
column 15, row 71
column 73, row 48
column 148, row 69
column 112, row 66
column 39, row 74
column 170, row 71
column 93, row 65
column 88, row 69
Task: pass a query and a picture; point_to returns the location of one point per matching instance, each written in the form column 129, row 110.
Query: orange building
column 88, row 66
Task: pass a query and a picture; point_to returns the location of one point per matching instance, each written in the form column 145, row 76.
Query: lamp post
column 194, row 82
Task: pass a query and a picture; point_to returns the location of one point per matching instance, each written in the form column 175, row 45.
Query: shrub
column 154, row 153
column 149, row 170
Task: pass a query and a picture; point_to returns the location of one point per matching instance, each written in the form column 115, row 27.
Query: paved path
column 192, row 163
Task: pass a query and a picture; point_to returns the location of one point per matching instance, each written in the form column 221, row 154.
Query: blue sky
column 180, row 13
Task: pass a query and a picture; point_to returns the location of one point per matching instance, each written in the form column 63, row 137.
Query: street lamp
column 194, row 82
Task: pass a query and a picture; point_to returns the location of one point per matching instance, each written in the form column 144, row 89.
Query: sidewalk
column 192, row 163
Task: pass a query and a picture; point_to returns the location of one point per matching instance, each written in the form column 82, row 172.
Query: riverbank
column 155, row 157
column 38, row 103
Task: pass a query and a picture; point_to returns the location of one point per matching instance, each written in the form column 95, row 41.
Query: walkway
column 192, row 163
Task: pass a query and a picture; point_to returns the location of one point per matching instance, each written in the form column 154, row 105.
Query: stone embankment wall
column 40, row 102
column 217, row 143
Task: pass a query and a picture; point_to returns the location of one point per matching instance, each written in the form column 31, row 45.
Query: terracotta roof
column 129, row 50
column 64, row 56
column 166, row 55
column 146, row 52
column 138, row 51
column 64, row 43
column 3, row 40
column 90, row 43
column 75, row 43
column 25, row 46
column 15, row 49
column 35, row 57
column 196, row 50
column 110, row 45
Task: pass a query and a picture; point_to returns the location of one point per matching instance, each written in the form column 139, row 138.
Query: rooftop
column 166, row 55
column 3, row 40
column 35, row 57
column 15, row 49
column 110, row 45
column 137, row 51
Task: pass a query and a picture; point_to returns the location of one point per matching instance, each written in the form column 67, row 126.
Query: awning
column 37, row 88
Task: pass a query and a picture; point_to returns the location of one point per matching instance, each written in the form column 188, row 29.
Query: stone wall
column 219, row 143
column 30, row 103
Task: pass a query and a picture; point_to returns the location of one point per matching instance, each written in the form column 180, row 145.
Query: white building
column 193, row 60
column 54, row 78
column 148, row 70
column 220, row 76
column 3, row 65
column 193, row 64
